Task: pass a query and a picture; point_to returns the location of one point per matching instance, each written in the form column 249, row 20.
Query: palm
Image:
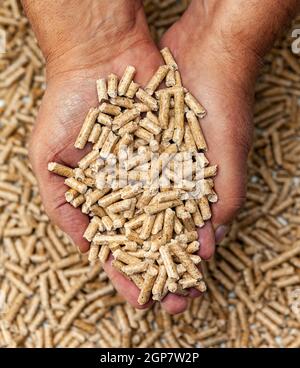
column 65, row 104
column 62, row 112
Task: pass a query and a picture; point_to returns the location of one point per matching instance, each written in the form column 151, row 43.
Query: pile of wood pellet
column 50, row 295
column 138, row 182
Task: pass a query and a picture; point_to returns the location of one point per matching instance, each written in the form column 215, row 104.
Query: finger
column 230, row 184
column 174, row 304
column 69, row 219
column 125, row 287
column 228, row 131
column 207, row 241
column 52, row 189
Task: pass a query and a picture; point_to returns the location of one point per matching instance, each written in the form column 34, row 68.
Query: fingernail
column 220, row 233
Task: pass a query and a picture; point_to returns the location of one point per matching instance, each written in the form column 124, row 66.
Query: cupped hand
column 220, row 72
column 70, row 93
column 222, row 83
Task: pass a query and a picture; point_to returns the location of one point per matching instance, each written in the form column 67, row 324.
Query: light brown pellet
column 126, row 80
column 168, row 262
column 61, row 170
column 194, row 105
column 157, row 79
column 179, row 117
column 101, row 89
column 168, row 58
column 146, row 290
column 76, row 185
column 196, row 130
column 86, row 128
column 112, row 85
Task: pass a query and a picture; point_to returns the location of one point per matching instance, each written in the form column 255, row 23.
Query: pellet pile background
column 50, row 296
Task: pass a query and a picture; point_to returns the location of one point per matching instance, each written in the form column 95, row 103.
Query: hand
column 71, row 91
column 218, row 67
column 221, row 74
